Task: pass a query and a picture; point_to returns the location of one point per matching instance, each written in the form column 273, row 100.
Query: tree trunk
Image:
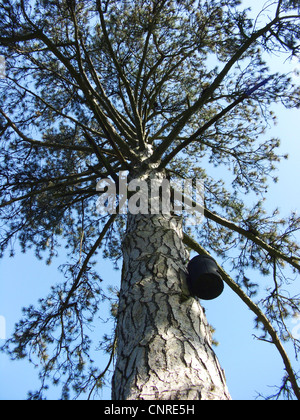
column 164, row 342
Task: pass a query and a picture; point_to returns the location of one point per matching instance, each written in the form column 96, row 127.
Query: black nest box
column 204, row 279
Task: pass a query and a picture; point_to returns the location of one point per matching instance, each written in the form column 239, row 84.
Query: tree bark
column 163, row 339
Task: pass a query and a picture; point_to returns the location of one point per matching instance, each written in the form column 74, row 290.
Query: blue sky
column 250, row 366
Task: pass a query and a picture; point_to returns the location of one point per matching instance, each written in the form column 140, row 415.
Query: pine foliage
column 96, row 87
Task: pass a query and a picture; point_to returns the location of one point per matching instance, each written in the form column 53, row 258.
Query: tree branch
column 191, row 243
column 254, row 238
column 121, row 122
column 101, row 157
column 130, row 93
column 37, row 143
column 210, row 123
column 52, row 187
column 8, row 41
column 88, row 257
column 293, row 261
column 85, row 86
column 163, row 147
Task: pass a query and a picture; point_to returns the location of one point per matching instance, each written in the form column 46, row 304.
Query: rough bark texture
column 164, row 342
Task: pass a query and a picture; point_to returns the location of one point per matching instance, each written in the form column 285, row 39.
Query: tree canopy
column 92, row 88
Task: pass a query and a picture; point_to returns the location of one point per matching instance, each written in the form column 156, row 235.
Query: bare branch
column 88, row 258
column 256, row 310
column 52, row 187
column 163, row 147
column 130, row 93
column 254, row 238
column 38, row 143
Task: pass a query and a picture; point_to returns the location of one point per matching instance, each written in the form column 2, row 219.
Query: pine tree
column 155, row 89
